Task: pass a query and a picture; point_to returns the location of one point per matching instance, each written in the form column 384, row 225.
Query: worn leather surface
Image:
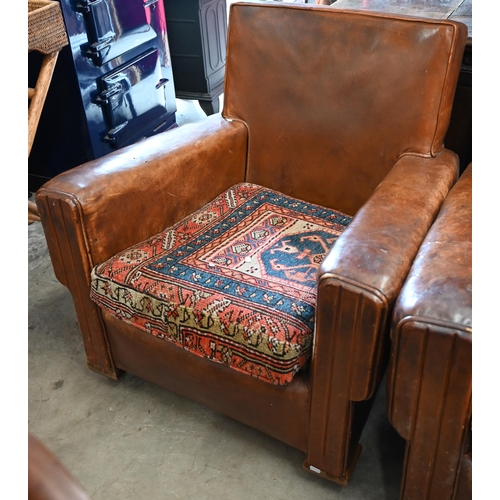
column 48, row 479
column 281, row 412
column 358, row 282
column 136, row 192
column 430, row 373
column 333, row 139
column 439, row 286
column 337, row 116
column 93, row 211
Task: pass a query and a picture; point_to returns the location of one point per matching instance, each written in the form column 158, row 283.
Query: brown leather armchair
column 329, row 109
column 429, row 383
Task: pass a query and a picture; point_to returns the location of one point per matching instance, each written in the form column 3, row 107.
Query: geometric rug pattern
column 235, row 282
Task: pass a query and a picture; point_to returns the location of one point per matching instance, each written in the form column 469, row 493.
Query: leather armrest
column 439, row 286
column 361, row 276
column 358, row 282
column 95, row 210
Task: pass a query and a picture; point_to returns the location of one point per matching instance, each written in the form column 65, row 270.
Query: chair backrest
column 333, row 98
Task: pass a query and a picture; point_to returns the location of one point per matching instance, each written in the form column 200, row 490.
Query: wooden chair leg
column 39, row 94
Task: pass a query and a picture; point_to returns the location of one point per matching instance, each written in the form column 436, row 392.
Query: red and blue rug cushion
column 235, row 282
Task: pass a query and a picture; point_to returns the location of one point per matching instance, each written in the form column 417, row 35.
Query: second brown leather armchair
column 430, row 375
column 270, row 242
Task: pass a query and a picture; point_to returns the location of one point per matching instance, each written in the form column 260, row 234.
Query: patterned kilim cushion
column 235, row 282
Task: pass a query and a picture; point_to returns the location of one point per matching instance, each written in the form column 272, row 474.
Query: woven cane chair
column 250, row 261
column 47, row 35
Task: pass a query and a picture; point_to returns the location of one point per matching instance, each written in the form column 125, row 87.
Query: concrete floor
column 131, row 439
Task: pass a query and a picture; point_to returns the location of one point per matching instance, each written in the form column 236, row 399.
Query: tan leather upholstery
column 363, row 118
column 430, row 375
column 356, row 125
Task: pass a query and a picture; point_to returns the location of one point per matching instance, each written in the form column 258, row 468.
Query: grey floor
column 131, row 439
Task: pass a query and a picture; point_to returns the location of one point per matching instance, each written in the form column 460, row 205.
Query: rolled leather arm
column 361, row 276
column 104, row 206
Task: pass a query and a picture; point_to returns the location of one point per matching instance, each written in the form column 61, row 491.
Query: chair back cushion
column 234, row 283
column 332, row 98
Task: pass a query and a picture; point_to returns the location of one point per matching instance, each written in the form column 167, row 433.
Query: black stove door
column 115, row 26
column 132, row 96
column 112, row 85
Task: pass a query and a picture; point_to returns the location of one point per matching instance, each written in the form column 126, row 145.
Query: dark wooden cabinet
column 113, row 85
column 459, row 135
column 197, row 31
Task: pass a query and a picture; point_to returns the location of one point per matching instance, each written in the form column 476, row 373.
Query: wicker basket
column 46, row 30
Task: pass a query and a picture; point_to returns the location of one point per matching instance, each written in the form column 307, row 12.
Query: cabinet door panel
column 132, row 96
column 115, row 27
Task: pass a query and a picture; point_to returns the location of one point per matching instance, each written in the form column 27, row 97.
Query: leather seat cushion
column 235, row 282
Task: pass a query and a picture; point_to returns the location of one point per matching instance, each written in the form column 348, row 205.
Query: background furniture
column 197, row 32
column 429, row 384
column 113, row 85
column 46, row 37
column 48, row 479
column 305, row 130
